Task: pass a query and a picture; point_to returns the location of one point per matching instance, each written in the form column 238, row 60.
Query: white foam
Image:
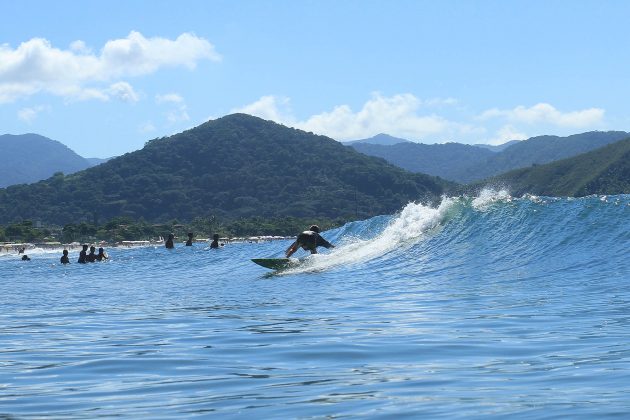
column 489, row 196
column 405, row 229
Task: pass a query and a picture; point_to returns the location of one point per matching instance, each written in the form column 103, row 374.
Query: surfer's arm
column 290, row 250
column 323, row 242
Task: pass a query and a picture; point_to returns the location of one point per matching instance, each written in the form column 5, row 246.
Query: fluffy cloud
column 544, row 113
column 397, row 115
column 178, row 111
column 505, row 134
column 28, row 115
column 36, row 66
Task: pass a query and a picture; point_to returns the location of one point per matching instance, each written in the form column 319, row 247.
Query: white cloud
column 36, row 66
column 179, row 109
column 123, row 91
column 397, row 115
column 146, row 127
column 169, row 97
column 505, row 134
column 29, row 115
column 543, row 113
column 270, row 108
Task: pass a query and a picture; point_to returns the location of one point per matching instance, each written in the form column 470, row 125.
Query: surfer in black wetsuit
column 190, row 239
column 308, row 240
column 215, row 241
column 64, row 258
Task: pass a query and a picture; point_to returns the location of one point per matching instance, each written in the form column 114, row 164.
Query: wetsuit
column 309, row 240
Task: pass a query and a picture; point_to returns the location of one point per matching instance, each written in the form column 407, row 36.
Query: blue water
column 484, row 307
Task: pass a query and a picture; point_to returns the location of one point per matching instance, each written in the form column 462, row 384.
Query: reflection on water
column 490, row 309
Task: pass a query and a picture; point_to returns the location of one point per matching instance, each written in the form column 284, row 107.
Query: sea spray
column 404, row 229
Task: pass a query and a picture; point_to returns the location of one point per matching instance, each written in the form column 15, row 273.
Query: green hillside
column 232, row 167
column 465, row 163
column 602, row 171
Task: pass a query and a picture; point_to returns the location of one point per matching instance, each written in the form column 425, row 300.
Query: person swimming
column 308, row 240
column 215, row 241
column 64, row 258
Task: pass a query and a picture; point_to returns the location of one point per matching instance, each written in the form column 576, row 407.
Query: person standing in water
column 64, row 258
column 83, row 255
column 91, row 257
column 215, row 241
column 308, row 240
column 169, row 241
column 101, row 255
column 190, row 240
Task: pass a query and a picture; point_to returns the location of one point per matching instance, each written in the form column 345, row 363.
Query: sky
column 104, row 77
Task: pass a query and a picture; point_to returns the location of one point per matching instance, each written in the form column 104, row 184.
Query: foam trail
column 404, row 230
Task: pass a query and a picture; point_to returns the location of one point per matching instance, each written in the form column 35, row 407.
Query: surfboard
column 275, row 263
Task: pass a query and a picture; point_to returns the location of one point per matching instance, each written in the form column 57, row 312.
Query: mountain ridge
column 234, row 166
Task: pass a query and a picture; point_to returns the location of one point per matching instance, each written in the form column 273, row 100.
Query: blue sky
column 103, row 77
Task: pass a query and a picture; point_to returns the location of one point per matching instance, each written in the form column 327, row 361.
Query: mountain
column 540, row 150
column 28, row 158
column 449, row 161
column 380, row 139
column 96, row 161
column 602, row 171
column 499, row 147
column 466, row 164
column 232, row 167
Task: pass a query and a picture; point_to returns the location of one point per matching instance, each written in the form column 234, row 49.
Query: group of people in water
column 84, row 256
column 308, row 240
column 169, row 244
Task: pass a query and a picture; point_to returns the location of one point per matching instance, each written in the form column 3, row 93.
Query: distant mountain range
column 380, row 139
column 465, row 163
column 498, row 147
column 28, row 158
column 602, row 171
column 235, row 166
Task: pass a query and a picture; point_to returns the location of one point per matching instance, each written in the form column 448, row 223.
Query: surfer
column 64, row 258
column 189, row 241
column 215, row 241
column 308, row 240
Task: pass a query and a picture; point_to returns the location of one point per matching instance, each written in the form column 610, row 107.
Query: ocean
column 476, row 307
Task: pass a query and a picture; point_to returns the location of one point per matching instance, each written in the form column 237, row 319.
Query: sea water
column 488, row 306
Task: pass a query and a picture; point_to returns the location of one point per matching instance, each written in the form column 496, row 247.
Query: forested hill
column 602, row 171
column 235, row 166
column 540, row 150
column 465, row 164
column 30, row 157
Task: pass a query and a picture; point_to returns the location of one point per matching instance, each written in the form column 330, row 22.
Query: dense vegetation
column 602, row 171
column 462, row 163
column 126, row 229
column 232, row 168
column 30, row 157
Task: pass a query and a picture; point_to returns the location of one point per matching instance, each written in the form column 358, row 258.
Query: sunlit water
column 485, row 307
